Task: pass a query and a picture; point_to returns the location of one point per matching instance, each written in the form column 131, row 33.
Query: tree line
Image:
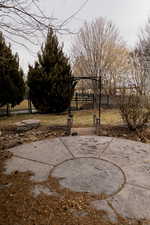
column 50, row 80
column 98, row 50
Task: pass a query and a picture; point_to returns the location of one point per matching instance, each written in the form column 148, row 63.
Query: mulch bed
column 122, row 131
column 10, row 137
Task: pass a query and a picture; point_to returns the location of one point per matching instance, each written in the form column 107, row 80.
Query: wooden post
column 8, row 110
column 97, row 126
column 29, row 102
column 29, row 106
column 94, row 119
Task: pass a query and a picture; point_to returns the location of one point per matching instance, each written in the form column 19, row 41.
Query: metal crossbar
column 85, row 78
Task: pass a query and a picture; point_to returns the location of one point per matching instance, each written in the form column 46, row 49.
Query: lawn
column 82, row 118
column 21, row 106
column 24, row 105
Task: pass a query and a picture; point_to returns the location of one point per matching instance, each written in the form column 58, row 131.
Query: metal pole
column 100, row 97
column 70, row 118
column 94, row 101
column 69, row 108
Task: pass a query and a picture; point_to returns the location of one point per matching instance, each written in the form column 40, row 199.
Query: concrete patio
column 117, row 168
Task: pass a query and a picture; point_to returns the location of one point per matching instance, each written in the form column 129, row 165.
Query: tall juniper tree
column 12, row 85
column 50, row 81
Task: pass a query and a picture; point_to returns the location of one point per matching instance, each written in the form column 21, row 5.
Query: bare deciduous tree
column 143, row 44
column 137, row 77
column 142, row 50
column 99, row 50
column 134, row 103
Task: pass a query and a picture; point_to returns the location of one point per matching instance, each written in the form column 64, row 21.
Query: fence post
column 97, row 126
column 8, row 110
column 29, row 105
column 94, row 119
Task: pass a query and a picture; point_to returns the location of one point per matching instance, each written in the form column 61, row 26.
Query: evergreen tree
column 11, row 76
column 50, row 81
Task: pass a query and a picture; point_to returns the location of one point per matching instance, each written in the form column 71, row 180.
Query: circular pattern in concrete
column 90, row 175
column 91, row 164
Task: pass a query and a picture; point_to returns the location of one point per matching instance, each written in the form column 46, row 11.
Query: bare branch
column 99, row 50
column 25, row 19
column 74, row 14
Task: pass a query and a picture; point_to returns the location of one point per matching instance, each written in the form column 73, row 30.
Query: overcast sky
column 128, row 15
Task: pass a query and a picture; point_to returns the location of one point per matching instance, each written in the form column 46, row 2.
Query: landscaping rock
column 32, row 138
column 32, row 123
column 11, row 144
column 26, row 125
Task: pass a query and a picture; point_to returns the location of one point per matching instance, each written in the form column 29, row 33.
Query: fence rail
column 79, row 101
column 106, row 100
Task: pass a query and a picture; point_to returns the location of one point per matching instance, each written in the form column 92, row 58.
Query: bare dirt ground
column 18, row 206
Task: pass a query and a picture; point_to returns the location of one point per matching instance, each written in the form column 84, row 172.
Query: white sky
column 128, row 15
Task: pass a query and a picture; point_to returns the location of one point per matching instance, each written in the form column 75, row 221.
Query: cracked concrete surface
column 123, row 172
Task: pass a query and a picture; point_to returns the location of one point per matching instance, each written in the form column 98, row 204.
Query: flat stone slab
column 25, row 125
column 138, row 174
column 90, row 175
column 40, row 171
column 86, row 146
column 50, row 152
column 125, row 152
column 132, row 203
column 117, row 168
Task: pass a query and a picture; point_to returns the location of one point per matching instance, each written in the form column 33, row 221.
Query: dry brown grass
column 82, row 118
column 24, row 105
column 21, row 106
column 46, row 119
